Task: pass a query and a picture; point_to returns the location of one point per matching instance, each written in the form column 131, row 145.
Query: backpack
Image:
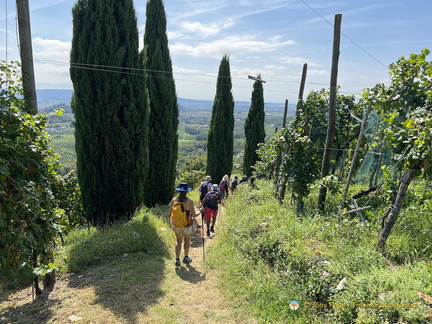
column 179, row 215
column 212, row 199
column 204, row 187
column 234, row 185
column 223, row 185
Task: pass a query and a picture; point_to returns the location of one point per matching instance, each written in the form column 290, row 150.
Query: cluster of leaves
column 406, row 111
column 193, row 171
column 192, row 131
column 302, row 142
column 29, row 207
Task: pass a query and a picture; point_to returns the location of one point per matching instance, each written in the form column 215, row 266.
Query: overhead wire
column 104, row 68
column 352, row 41
column 138, row 71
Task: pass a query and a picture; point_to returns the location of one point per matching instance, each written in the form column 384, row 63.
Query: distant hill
column 47, row 97
column 53, row 97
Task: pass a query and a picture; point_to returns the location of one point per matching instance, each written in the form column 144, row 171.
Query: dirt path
column 145, row 289
column 195, row 293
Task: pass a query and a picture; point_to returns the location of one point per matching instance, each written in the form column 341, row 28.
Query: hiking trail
column 160, row 293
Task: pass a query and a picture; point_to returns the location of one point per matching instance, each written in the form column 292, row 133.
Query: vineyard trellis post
column 332, row 110
column 279, row 153
column 26, row 53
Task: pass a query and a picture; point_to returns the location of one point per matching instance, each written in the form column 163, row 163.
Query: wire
column 352, row 41
column 6, row 40
column 140, row 71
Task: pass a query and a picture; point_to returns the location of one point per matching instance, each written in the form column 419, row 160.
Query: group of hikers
column 182, row 210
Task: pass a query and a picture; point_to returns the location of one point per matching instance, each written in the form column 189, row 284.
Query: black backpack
column 212, row 199
column 204, row 187
column 234, row 184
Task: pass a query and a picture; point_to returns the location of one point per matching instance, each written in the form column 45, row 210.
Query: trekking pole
column 202, row 231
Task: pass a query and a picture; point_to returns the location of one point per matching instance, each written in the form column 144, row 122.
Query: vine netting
column 378, row 154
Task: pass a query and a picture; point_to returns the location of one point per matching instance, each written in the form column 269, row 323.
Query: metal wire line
column 140, row 71
column 352, row 41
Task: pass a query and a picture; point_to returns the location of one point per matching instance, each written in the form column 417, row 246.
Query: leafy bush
column 28, row 205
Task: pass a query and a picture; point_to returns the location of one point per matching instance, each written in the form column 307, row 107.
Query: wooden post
column 396, row 206
column 332, row 110
column 285, row 114
column 279, row 155
column 26, row 52
column 351, row 170
column 302, row 86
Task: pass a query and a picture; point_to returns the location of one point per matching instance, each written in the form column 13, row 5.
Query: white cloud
column 51, row 63
column 205, row 30
column 181, row 70
column 296, row 60
column 51, row 49
column 315, row 72
column 231, row 45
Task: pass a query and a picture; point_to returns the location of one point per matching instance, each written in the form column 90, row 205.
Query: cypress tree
column 163, row 138
column 220, row 140
column 111, row 109
column 254, row 128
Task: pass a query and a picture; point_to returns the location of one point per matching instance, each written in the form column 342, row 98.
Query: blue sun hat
column 183, row 186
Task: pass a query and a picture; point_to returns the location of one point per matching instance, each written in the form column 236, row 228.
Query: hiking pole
column 202, row 231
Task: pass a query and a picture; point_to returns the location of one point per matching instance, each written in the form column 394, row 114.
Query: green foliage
column 193, row 171
column 29, row 208
column 276, row 257
column 220, row 137
column 301, row 143
column 333, row 185
column 267, row 154
column 164, row 112
column 381, row 295
column 111, row 109
column 67, row 191
column 254, row 127
column 405, row 107
column 192, row 131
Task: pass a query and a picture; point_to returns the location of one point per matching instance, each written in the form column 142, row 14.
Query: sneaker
column 187, row 260
column 212, row 229
column 208, row 233
column 177, row 263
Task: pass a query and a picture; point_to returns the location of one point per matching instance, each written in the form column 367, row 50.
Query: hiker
column 224, row 186
column 181, row 214
column 244, row 179
column 234, row 184
column 211, row 205
column 204, row 187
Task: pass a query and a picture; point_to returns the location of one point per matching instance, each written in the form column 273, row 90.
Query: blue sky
column 273, row 38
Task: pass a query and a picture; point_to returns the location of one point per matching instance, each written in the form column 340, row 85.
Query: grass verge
column 269, row 256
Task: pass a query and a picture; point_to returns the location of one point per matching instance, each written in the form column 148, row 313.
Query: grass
column 263, row 257
column 125, row 274
column 278, row 256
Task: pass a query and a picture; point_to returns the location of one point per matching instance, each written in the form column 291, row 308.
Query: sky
column 273, row 38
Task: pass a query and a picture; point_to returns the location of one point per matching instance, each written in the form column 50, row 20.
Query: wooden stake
column 26, row 52
column 332, row 110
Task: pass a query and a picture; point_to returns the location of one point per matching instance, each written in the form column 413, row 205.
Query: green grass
column 147, row 233
column 276, row 256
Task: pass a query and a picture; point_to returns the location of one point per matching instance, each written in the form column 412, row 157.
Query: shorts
column 210, row 213
column 184, row 230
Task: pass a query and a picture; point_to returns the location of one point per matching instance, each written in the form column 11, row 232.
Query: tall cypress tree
column 254, row 127
column 163, row 139
column 111, row 109
column 220, row 140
